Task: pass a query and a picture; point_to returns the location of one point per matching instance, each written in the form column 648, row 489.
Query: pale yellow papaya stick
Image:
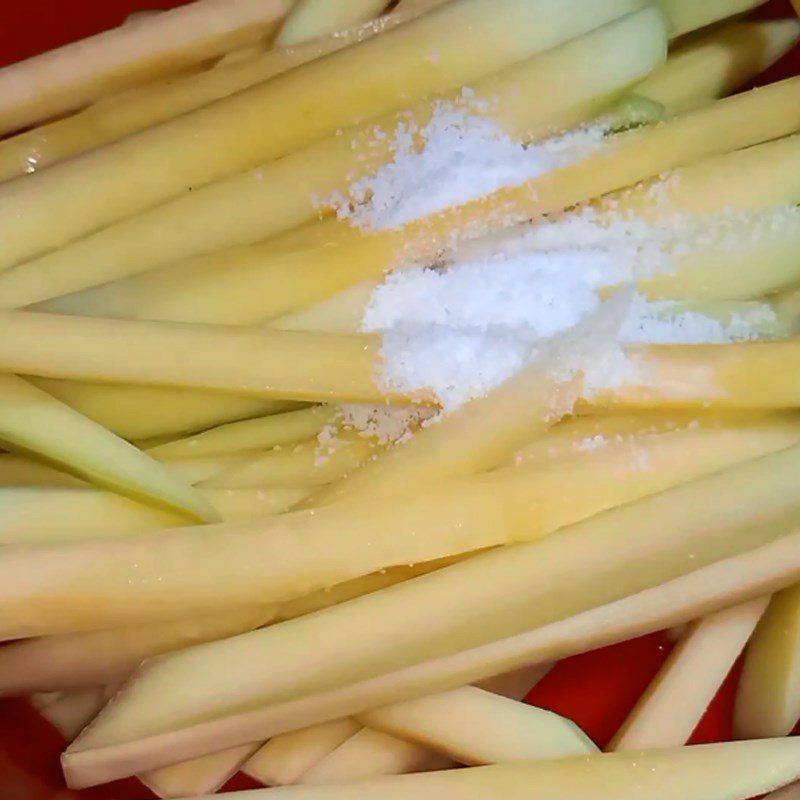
column 143, row 49
column 284, row 759
column 82, row 660
column 119, row 115
column 32, row 421
column 687, row 15
column 366, row 584
column 199, row 776
column 23, row 472
column 452, row 613
column 329, row 367
column 748, row 375
column 251, row 361
column 768, row 697
column 310, row 19
column 154, row 441
column 343, row 748
column 581, row 436
column 753, row 179
column 341, row 313
column 299, row 188
column 273, row 119
column 33, row 515
column 142, row 412
column 473, row 727
column 678, row 696
column 578, row 436
column 485, row 432
column 196, row 470
column 756, row 258
column 717, row 63
column 72, row 711
column 371, row 754
column 304, row 466
column 368, row 753
column 261, row 433
column 736, row 579
column 697, row 594
column 426, row 738
column 242, row 285
column 730, row 771
column 303, row 551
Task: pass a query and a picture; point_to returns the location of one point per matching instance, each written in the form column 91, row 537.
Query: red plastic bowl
column 596, row 689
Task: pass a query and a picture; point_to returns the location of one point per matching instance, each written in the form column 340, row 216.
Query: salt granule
column 328, row 442
column 465, row 156
column 666, row 322
column 632, row 246
column 592, row 443
column 639, row 249
column 464, row 330
column 457, row 365
column 538, row 294
column 384, row 423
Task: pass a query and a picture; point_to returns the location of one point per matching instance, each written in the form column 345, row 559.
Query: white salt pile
column 536, row 295
column 465, row 156
column 463, row 329
column 464, row 326
column 460, row 364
